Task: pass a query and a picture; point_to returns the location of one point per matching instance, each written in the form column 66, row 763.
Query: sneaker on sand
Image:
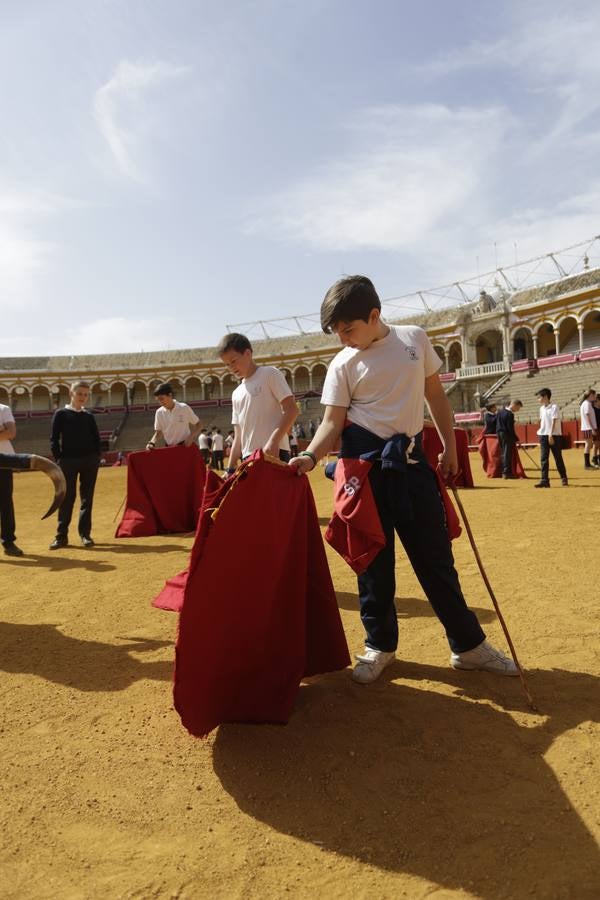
column 484, row 657
column 371, row 664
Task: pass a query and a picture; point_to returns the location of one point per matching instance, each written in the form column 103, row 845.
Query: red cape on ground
column 259, row 610
column 164, row 492
column 432, row 447
column 491, row 457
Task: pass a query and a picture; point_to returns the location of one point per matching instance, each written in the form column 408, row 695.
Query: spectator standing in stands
column 75, row 445
column 589, row 431
column 550, row 435
column 8, row 432
column 175, row 422
column 217, row 449
column 263, row 408
column 489, row 419
column 507, row 436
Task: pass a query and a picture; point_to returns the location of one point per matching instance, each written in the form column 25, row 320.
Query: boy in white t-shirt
column 589, row 432
column 175, row 422
column 374, row 395
column 263, row 407
column 550, row 435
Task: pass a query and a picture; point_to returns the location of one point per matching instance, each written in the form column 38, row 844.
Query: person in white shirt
column 550, row 435
column 596, row 456
column 174, row 422
column 589, row 432
column 263, row 406
column 8, row 432
column 204, row 446
column 217, row 449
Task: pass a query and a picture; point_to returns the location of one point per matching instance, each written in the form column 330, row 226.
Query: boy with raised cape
column 374, row 395
column 263, row 406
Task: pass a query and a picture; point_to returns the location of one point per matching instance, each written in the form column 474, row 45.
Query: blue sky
column 171, row 166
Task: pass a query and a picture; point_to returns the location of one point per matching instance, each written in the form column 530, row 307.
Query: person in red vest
column 374, row 395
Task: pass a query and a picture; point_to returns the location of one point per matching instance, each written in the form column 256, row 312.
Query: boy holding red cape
column 374, row 395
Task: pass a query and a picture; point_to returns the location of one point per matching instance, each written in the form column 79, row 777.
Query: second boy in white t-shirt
column 263, row 407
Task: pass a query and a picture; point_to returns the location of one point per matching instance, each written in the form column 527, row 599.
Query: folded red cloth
column 164, row 492
column 259, row 611
column 354, row 530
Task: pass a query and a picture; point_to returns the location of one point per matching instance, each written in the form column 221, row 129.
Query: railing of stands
column 483, row 370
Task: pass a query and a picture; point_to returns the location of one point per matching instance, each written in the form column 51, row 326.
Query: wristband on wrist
column 150, row 444
column 230, row 470
column 310, row 456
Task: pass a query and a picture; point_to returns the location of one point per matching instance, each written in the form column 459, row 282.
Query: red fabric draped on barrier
column 432, row 446
column 164, row 492
column 259, row 611
column 491, row 456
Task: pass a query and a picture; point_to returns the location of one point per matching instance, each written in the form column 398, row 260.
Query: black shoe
column 543, row 484
column 58, row 543
column 87, row 541
column 12, row 549
column 564, row 482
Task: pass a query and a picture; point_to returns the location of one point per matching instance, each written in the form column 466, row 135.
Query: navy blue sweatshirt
column 74, row 434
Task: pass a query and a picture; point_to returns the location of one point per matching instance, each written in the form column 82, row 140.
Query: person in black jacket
column 507, row 436
column 75, row 444
column 489, row 419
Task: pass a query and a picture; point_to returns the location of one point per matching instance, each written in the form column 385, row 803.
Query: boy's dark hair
column 165, row 389
column 544, row 392
column 588, row 393
column 517, row 402
column 349, row 298
column 491, row 406
column 233, row 341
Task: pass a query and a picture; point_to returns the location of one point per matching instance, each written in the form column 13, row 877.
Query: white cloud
column 406, row 169
column 24, row 254
column 116, row 335
column 118, row 110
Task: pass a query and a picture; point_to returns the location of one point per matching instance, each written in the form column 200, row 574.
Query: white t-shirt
column 6, row 418
column 588, row 416
column 217, row 441
column 383, row 387
column 175, row 423
column 256, row 408
column 203, row 441
column 549, row 420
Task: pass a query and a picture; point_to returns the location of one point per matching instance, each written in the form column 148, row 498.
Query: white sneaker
column 484, row 657
column 371, row 664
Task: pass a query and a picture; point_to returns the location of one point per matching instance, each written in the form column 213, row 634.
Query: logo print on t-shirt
column 412, row 352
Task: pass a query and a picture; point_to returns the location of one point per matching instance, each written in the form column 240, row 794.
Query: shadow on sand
column 410, row 780
column 45, row 651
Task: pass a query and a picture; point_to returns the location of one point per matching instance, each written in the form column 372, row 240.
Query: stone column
column 535, row 345
column 580, row 330
column 556, row 341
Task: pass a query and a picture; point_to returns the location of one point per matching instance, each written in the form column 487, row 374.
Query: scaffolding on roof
column 501, row 283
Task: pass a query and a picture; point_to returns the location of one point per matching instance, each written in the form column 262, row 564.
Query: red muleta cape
column 259, row 610
column 164, row 492
column 491, row 457
column 432, row 447
column 354, row 530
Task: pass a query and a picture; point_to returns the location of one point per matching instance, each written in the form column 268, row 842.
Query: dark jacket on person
column 505, row 423
column 74, row 434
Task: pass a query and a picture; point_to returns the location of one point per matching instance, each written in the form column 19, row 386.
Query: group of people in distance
column 374, row 395
column 501, row 422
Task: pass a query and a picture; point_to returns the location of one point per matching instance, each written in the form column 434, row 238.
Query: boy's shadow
column 45, row 651
column 63, row 563
column 410, row 607
column 410, row 780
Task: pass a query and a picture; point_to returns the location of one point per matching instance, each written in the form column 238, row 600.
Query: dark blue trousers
column 86, row 469
column 7, row 510
column 410, row 505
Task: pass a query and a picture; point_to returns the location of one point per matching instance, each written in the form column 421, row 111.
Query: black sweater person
column 75, row 444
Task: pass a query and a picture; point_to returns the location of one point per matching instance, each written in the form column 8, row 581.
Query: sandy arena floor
column 428, row 783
